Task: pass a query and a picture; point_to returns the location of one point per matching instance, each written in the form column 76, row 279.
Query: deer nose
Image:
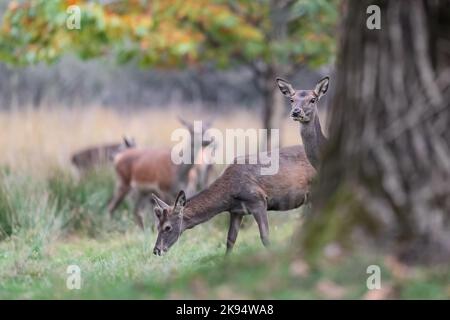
column 157, row 251
column 295, row 113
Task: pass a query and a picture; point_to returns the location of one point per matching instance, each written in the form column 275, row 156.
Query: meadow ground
column 50, row 219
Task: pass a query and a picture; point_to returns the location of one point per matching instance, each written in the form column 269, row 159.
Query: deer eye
column 167, row 228
column 292, row 100
column 313, row 100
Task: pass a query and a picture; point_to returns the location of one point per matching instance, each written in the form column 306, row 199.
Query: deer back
column 146, row 168
column 95, row 156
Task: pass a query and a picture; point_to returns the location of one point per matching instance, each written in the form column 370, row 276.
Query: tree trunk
column 277, row 66
column 386, row 168
column 272, row 106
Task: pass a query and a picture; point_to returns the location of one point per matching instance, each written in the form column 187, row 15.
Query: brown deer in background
column 151, row 170
column 97, row 156
column 304, row 110
column 201, row 174
column 240, row 190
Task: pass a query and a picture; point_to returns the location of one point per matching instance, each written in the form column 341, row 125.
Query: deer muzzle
column 158, row 251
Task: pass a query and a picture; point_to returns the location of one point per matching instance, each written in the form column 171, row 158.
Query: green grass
column 122, row 267
column 58, row 221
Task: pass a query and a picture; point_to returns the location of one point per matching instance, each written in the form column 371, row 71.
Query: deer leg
column 137, row 209
column 120, row 193
column 259, row 212
column 235, row 224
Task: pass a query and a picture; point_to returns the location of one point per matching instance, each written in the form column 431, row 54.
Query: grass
column 51, row 219
column 63, row 222
column 121, row 266
column 49, row 234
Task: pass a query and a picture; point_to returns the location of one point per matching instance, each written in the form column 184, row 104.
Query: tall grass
column 27, row 212
column 57, row 205
column 6, row 210
column 36, row 213
column 82, row 201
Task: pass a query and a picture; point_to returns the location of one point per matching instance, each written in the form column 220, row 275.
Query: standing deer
column 240, row 190
column 304, row 110
column 151, row 170
column 93, row 157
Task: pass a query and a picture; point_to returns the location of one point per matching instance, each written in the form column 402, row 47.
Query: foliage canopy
column 170, row 33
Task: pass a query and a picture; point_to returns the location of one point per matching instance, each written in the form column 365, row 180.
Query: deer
column 304, row 110
column 201, row 174
column 148, row 170
column 240, row 190
column 96, row 156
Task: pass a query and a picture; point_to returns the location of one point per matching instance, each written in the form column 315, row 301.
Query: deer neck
column 205, row 205
column 313, row 140
column 184, row 168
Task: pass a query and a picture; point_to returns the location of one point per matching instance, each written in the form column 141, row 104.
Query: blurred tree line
column 269, row 37
column 70, row 82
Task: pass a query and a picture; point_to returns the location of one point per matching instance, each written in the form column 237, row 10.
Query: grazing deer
column 304, row 110
column 152, row 170
column 90, row 158
column 240, row 190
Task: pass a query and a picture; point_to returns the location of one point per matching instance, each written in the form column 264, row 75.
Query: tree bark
column 273, row 101
column 273, row 106
column 386, row 168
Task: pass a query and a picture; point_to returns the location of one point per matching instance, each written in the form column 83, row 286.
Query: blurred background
column 79, row 73
column 131, row 59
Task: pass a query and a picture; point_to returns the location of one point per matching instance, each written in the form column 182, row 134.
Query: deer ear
column 185, row 123
column 322, row 87
column 181, row 199
column 129, row 142
column 285, row 87
column 159, row 203
column 207, row 123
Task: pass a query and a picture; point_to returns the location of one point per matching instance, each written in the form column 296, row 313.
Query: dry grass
column 40, row 140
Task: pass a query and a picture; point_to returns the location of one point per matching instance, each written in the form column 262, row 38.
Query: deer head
column 128, row 142
column 303, row 102
column 169, row 222
column 193, row 130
